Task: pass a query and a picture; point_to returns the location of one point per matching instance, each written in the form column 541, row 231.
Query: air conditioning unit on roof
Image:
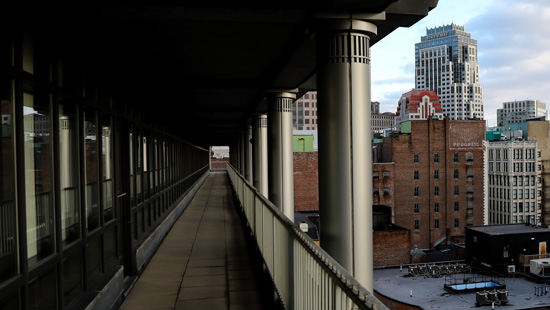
column 511, row 268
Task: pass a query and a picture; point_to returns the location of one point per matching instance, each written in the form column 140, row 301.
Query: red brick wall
column 391, row 248
column 426, row 138
column 306, row 181
column 218, row 164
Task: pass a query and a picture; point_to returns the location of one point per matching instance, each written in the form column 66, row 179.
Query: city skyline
column 512, row 51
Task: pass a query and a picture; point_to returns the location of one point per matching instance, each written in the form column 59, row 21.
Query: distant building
column 431, row 175
column 446, row 62
column 304, row 112
column 520, row 111
column 497, row 247
column 514, row 182
column 418, row 105
column 380, row 121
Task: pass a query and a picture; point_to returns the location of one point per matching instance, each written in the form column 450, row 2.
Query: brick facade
column 391, row 248
column 218, row 164
column 306, row 181
column 424, row 184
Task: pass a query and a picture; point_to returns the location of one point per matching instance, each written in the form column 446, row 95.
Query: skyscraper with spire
column 446, row 62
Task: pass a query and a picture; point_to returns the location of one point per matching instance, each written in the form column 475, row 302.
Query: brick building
column 306, row 181
column 433, row 179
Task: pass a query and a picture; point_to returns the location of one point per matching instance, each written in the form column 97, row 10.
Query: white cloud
column 513, row 50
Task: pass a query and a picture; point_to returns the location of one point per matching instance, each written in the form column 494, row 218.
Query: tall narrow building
column 446, row 62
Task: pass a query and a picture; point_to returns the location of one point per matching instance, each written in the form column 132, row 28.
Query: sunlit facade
column 446, row 62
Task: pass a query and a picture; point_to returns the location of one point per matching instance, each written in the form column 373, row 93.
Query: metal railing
column 305, row 276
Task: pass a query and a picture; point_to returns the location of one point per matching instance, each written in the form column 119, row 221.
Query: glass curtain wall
column 8, row 212
column 40, row 217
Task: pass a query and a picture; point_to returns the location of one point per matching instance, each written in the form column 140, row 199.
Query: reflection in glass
column 72, row 276
column 107, row 173
column 38, row 178
column 93, row 260
column 132, row 181
column 68, row 160
column 8, row 211
column 91, row 171
column 42, row 292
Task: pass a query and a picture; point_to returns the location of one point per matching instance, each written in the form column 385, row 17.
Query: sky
column 513, row 40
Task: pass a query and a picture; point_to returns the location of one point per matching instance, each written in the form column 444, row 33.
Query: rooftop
column 509, row 229
column 428, row 293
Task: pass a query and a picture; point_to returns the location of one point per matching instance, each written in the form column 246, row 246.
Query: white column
column 259, row 146
column 241, row 152
column 280, row 154
column 247, row 135
column 345, row 158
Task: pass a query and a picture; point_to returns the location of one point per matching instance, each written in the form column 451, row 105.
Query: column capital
column 281, row 93
column 332, row 23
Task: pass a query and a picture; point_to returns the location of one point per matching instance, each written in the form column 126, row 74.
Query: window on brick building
column 456, row 174
column 416, row 176
column 456, row 157
column 416, row 157
column 436, row 190
column 436, row 207
column 457, row 206
column 457, row 190
column 436, row 223
column 457, row 223
column 416, row 191
column 375, row 175
column 416, row 208
column 416, row 224
column 436, row 174
column 436, row 157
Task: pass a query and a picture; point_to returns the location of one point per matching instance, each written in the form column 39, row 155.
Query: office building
column 514, row 182
column 520, row 111
column 431, row 175
column 446, row 62
column 418, row 105
column 380, row 121
column 304, row 112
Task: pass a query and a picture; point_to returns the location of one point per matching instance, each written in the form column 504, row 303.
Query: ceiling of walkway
column 202, row 69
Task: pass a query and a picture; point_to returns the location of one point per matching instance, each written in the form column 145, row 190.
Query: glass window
column 43, row 292
column 38, row 177
column 8, row 210
column 436, row 174
column 456, row 175
column 91, row 170
column 457, row 222
column 107, row 169
column 436, row 157
column 436, row 191
column 69, row 173
column 72, row 276
column 457, row 206
column 436, row 207
column 436, row 223
column 416, row 177
column 94, row 260
column 416, row 157
column 456, row 157
column 416, row 191
column 456, row 190
column 416, row 208
column 417, row 224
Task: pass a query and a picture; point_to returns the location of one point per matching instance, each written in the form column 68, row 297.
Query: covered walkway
column 204, row 261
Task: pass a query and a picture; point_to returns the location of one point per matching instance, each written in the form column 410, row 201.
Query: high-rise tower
column 446, row 62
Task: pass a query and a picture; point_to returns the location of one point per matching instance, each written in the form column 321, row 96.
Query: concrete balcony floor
column 204, row 262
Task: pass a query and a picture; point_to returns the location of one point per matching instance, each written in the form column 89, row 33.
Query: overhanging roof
column 202, row 69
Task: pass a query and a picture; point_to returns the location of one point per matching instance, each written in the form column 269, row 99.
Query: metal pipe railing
column 305, row 276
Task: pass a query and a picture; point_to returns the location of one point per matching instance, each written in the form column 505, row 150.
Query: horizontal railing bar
column 360, row 296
